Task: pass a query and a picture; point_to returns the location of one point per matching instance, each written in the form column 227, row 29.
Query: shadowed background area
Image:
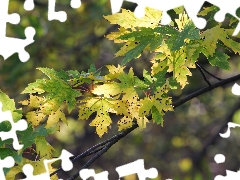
column 183, row 149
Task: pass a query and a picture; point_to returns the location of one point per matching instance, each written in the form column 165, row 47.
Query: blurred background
column 184, row 149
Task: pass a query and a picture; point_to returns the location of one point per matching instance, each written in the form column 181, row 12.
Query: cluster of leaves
column 32, row 135
column 176, row 48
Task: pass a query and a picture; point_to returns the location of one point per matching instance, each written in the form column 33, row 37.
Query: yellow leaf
column 54, row 118
column 127, row 47
column 114, row 35
column 182, row 21
column 101, row 121
column 124, row 123
column 114, row 72
column 35, row 117
column 43, row 147
column 34, row 101
column 127, row 18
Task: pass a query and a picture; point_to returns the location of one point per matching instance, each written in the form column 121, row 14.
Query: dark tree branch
column 206, row 89
column 104, row 146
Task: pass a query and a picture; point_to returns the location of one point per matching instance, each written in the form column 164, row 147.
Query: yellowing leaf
column 114, row 35
column 127, row 18
column 114, row 72
column 38, row 168
column 35, row 117
column 34, row 101
column 124, row 123
column 102, row 107
column 43, row 148
column 182, row 21
column 101, row 121
column 212, row 36
column 54, row 118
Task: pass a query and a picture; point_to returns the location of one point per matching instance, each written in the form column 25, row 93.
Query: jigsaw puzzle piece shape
column 137, row 167
column 9, row 46
column 20, row 125
column 7, row 162
column 28, row 5
column 227, row 133
column 87, row 173
column 67, row 164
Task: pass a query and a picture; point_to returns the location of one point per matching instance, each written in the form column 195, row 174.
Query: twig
column 206, row 89
column 199, row 65
column 204, row 77
column 107, row 146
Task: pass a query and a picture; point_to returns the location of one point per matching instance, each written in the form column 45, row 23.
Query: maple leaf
column 189, row 32
column 54, row 118
column 9, row 104
column 212, row 36
column 140, row 40
column 35, row 117
column 57, row 90
column 27, row 137
column 102, row 119
column 43, row 148
column 219, row 59
column 127, row 19
column 39, row 168
column 175, row 62
column 157, row 104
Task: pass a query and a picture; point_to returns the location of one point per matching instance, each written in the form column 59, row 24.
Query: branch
column 206, row 89
column 108, row 143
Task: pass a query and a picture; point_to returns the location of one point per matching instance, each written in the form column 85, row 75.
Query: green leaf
column 92, row 69
column 43, row 147
column 52, row 74
column 179, row 10
column 147, row 77
column 189, row 32
column 156, row 116
column 220, row 59
column 27, row 137
column 143, row 37
column 9, row 104
column 57, row 90
column 73, row 73
column 212, row 36
column 5, row 152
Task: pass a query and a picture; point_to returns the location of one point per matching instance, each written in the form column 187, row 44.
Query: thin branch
column 108, row 145
column 204, row 77
column 198, row 64
column 206, row 89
